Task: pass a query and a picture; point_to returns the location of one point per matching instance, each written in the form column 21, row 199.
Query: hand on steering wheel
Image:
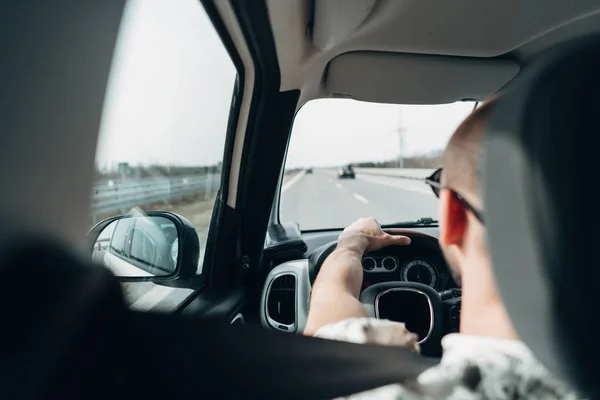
column 365, row 234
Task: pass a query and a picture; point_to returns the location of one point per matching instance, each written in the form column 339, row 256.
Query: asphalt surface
column 321, row 200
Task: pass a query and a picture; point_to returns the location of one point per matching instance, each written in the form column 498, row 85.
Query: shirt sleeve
column 375, row 331
column 370, row 330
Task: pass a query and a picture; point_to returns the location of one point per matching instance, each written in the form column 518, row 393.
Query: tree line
column 428, row 160
column 124, row 171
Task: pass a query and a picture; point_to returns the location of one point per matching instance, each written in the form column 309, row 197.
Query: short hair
column 461, row 157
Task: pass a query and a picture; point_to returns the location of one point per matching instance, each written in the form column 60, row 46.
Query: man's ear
column 453, row 220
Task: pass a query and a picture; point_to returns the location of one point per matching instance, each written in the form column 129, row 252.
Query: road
column 321, row 200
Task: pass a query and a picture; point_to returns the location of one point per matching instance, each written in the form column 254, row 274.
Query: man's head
column 462, row 235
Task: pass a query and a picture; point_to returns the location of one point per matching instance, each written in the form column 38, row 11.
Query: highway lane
column 321, row 200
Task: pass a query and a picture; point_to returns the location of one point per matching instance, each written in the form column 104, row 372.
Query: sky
column 170, row 90
column 340, row 131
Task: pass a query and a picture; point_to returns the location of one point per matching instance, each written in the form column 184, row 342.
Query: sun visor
column 416, row 79
column 538, row 178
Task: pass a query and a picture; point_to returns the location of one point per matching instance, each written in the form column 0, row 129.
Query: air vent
column 238, row 320
column 281, row 303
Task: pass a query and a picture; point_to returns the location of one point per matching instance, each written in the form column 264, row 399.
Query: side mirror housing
column 149, row 246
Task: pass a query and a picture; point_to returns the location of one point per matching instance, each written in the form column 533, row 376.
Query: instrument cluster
column 405, row 264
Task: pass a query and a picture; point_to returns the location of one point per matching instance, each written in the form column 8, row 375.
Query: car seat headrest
column 539, row 175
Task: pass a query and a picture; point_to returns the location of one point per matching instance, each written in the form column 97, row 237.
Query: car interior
column 238, row 314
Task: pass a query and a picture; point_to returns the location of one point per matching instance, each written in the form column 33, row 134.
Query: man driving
column 485, row 360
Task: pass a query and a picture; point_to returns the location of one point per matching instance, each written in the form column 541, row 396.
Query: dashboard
column 286, row 292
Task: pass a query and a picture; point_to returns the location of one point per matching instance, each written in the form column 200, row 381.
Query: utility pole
column 400, row 139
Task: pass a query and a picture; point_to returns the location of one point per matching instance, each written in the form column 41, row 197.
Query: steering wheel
column 424, row 311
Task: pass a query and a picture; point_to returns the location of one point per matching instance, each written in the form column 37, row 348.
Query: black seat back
column 68, row 335
column 540, row 176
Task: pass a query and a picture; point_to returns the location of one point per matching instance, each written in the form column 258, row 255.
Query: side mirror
column 149, row 246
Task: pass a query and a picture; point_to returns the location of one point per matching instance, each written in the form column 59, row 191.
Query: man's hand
column 365, row 234
column 337, row 287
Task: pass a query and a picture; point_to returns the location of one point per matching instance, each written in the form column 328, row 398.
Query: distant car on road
column 309, row 170
column 346, row 172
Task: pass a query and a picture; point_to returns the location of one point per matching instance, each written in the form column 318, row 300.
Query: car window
column 152, row 245
column 143, row 248
column 163, row 131
column 348, row 159
column 117, row 242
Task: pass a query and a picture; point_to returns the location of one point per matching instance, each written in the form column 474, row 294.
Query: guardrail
column 404, row 173
column 121, row 195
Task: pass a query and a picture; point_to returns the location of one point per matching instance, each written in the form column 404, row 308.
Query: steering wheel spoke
column 416, row 305
column 420, row 307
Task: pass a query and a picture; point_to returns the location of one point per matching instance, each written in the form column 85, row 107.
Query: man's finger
column 395, row 231
column 395, row 240
column 399, row 239
column 379, row 242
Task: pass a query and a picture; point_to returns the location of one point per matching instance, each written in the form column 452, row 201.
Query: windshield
column 390, row 150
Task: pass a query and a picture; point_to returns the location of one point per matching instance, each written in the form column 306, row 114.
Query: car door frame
column 240, row 218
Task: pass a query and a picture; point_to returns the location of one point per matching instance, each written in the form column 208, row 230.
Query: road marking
column 151, row 298
column 289, row 183
column 360, row 198
column 398, row 184
column 338, row 185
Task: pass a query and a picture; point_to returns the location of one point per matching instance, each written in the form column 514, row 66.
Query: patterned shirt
column 472, row 367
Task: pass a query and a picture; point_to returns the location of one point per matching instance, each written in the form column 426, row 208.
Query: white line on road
column 289, row 183
column 338, row 185
column 403, row 184
column 360, row 198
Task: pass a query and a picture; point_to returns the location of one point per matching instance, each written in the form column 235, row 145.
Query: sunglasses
column 434, row 180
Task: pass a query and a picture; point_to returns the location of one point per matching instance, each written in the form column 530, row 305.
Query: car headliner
column 398, row 47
